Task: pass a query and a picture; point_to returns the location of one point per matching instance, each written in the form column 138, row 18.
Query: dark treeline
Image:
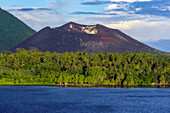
column 32, row 67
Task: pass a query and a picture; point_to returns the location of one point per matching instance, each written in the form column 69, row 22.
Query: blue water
column 47, row 99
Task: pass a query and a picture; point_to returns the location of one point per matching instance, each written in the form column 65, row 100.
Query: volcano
column 73, row 37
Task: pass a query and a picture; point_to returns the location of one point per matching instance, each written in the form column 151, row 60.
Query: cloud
column 141, row 7
column 38, row 18
column 143, row 29
column 21, row 9
column 112, row 6
column 28, row 9
column 97, row 2
column 117, row 7
column 65, row 6
column 92, row 13
column 153, row 11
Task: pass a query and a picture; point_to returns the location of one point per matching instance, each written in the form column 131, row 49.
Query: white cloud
column 167, row 7
column 163, row 8
column 133, row 23
column 138, row 9
column 143, row 29
column 112, row 6
column 40, row 19
column 117, row 6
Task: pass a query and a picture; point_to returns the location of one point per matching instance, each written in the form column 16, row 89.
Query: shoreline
column 93, row 86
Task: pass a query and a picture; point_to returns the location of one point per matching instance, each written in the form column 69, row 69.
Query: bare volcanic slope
column 75, row 37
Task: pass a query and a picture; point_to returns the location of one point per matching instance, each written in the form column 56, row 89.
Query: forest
column 12, row 31
column 33, row 67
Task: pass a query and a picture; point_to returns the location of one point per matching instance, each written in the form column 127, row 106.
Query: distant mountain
column 163, row 44
column 12, row 31
column 91, row 38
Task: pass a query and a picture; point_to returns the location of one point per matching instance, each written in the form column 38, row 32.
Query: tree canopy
column 33, row 67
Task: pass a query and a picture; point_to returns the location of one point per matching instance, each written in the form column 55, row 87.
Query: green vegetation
column 32, row 67
column 12, row 31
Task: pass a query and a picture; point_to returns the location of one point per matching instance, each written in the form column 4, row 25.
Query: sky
column 144, row 20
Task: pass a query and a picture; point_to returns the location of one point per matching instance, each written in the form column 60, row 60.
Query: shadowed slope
column 12, row 31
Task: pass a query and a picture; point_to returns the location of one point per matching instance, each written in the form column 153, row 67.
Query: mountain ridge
column 162, row 44
column 76, row 37
column 12, row 31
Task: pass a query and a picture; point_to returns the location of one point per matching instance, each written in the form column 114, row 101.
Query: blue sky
column 25, row 3
column 145, row 20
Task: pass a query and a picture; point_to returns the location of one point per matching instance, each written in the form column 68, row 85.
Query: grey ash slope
column 75, row 37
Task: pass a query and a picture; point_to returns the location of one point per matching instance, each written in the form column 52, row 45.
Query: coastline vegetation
column 33, row 67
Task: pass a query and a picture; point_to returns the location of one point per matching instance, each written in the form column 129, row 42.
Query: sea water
column 49, row 99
